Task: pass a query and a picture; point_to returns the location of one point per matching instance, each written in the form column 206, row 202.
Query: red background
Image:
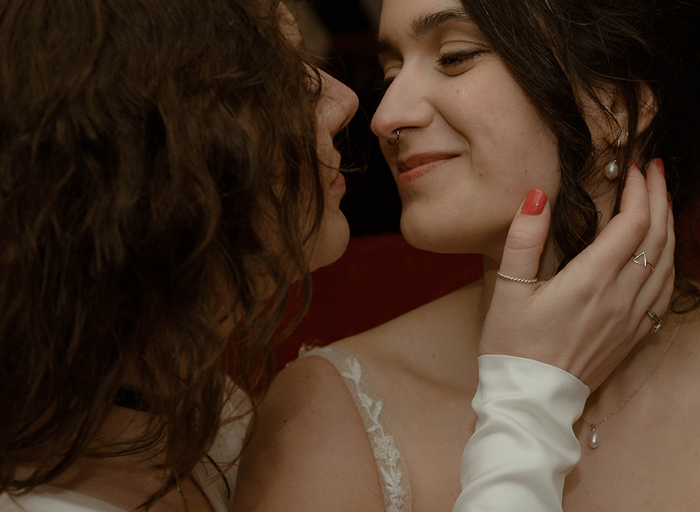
column 378, row 278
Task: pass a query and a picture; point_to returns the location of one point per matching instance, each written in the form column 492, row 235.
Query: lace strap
column 393, row 473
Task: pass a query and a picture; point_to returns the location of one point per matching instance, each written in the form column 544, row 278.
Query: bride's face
column 471, row 144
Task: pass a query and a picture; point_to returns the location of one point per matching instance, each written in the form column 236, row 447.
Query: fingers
column 526, row 237
column 658, row 289
column 620, row 238
column 650, row 248
column 659, row 247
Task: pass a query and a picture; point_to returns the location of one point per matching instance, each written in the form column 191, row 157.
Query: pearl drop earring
column 612, row 169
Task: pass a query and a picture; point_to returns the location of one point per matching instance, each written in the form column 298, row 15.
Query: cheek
column 508, row 151
column 327, row 156
column 332, row 238
column 509, row 145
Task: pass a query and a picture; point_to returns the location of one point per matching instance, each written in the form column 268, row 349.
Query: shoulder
column 424, row 341
column 309, row 449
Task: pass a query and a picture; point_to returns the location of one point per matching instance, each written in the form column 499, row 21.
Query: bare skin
column 635, row 444
column 649, row 452
column 310, row 450
column 426, row 375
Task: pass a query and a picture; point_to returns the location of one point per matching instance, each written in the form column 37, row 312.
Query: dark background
column 343, row 34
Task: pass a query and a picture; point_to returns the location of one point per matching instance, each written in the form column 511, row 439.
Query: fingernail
column 534, row 202
column 668, row 199
column 660, row 165
column 634, row 163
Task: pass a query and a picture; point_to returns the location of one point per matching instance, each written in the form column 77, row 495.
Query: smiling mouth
column 414, row 168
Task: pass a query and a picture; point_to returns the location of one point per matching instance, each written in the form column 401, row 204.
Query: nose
column 403, row 107
column 338, row 105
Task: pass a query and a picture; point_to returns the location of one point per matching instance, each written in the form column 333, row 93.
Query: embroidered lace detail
column 393, row 474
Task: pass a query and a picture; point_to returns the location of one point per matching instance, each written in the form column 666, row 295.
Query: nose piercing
column 397, row 139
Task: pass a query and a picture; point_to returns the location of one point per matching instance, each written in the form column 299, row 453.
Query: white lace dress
column 393, row 473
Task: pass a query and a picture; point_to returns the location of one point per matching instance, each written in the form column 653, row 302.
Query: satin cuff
column 524, row 445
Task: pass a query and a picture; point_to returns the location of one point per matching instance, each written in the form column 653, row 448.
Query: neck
column 635, row 367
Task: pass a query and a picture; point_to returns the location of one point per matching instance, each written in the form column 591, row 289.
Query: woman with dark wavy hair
column 485, row 100
column 160, row 181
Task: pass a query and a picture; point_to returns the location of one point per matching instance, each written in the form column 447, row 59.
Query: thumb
column 526, row 237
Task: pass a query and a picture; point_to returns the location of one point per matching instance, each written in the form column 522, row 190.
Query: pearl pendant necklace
column 593, row 439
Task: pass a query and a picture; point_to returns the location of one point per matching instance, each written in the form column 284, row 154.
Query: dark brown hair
column 562, row 50
column 158, row 170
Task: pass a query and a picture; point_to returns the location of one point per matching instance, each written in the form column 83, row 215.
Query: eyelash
column 446, row 61
column 453, row 59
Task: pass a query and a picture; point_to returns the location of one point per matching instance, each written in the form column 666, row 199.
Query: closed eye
column 450, row 60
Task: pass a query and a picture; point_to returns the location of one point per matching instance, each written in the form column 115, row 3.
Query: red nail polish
column 634, row 163
column 660, row 165
column 534, row 203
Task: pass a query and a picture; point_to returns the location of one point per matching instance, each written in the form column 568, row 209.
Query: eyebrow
column 425, row 24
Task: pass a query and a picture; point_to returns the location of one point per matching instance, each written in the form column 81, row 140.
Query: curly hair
column 560, row 51
column 156, row 159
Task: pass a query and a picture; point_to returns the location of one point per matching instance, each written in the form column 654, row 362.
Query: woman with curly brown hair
column 160, row 180
column 167, row 171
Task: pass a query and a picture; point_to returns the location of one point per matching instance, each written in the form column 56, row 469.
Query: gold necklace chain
column 593, row 438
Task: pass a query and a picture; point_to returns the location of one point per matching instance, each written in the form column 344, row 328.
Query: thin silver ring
column 397, row 139
column 515, row 279
column 654, row 320
column 641, row 259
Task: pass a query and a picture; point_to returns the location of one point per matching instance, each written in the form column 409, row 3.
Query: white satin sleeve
column 524, row 445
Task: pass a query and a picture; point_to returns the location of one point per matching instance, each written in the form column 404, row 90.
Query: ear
column 615, row 105
column 606, row 114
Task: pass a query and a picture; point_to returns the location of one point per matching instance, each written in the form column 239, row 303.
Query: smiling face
column 471, row 143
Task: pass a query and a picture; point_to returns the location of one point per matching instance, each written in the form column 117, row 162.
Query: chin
column 456, row 234
column 331, row 241
column 433, row 238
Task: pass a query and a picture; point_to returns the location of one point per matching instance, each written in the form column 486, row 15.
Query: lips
column 415, row 167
